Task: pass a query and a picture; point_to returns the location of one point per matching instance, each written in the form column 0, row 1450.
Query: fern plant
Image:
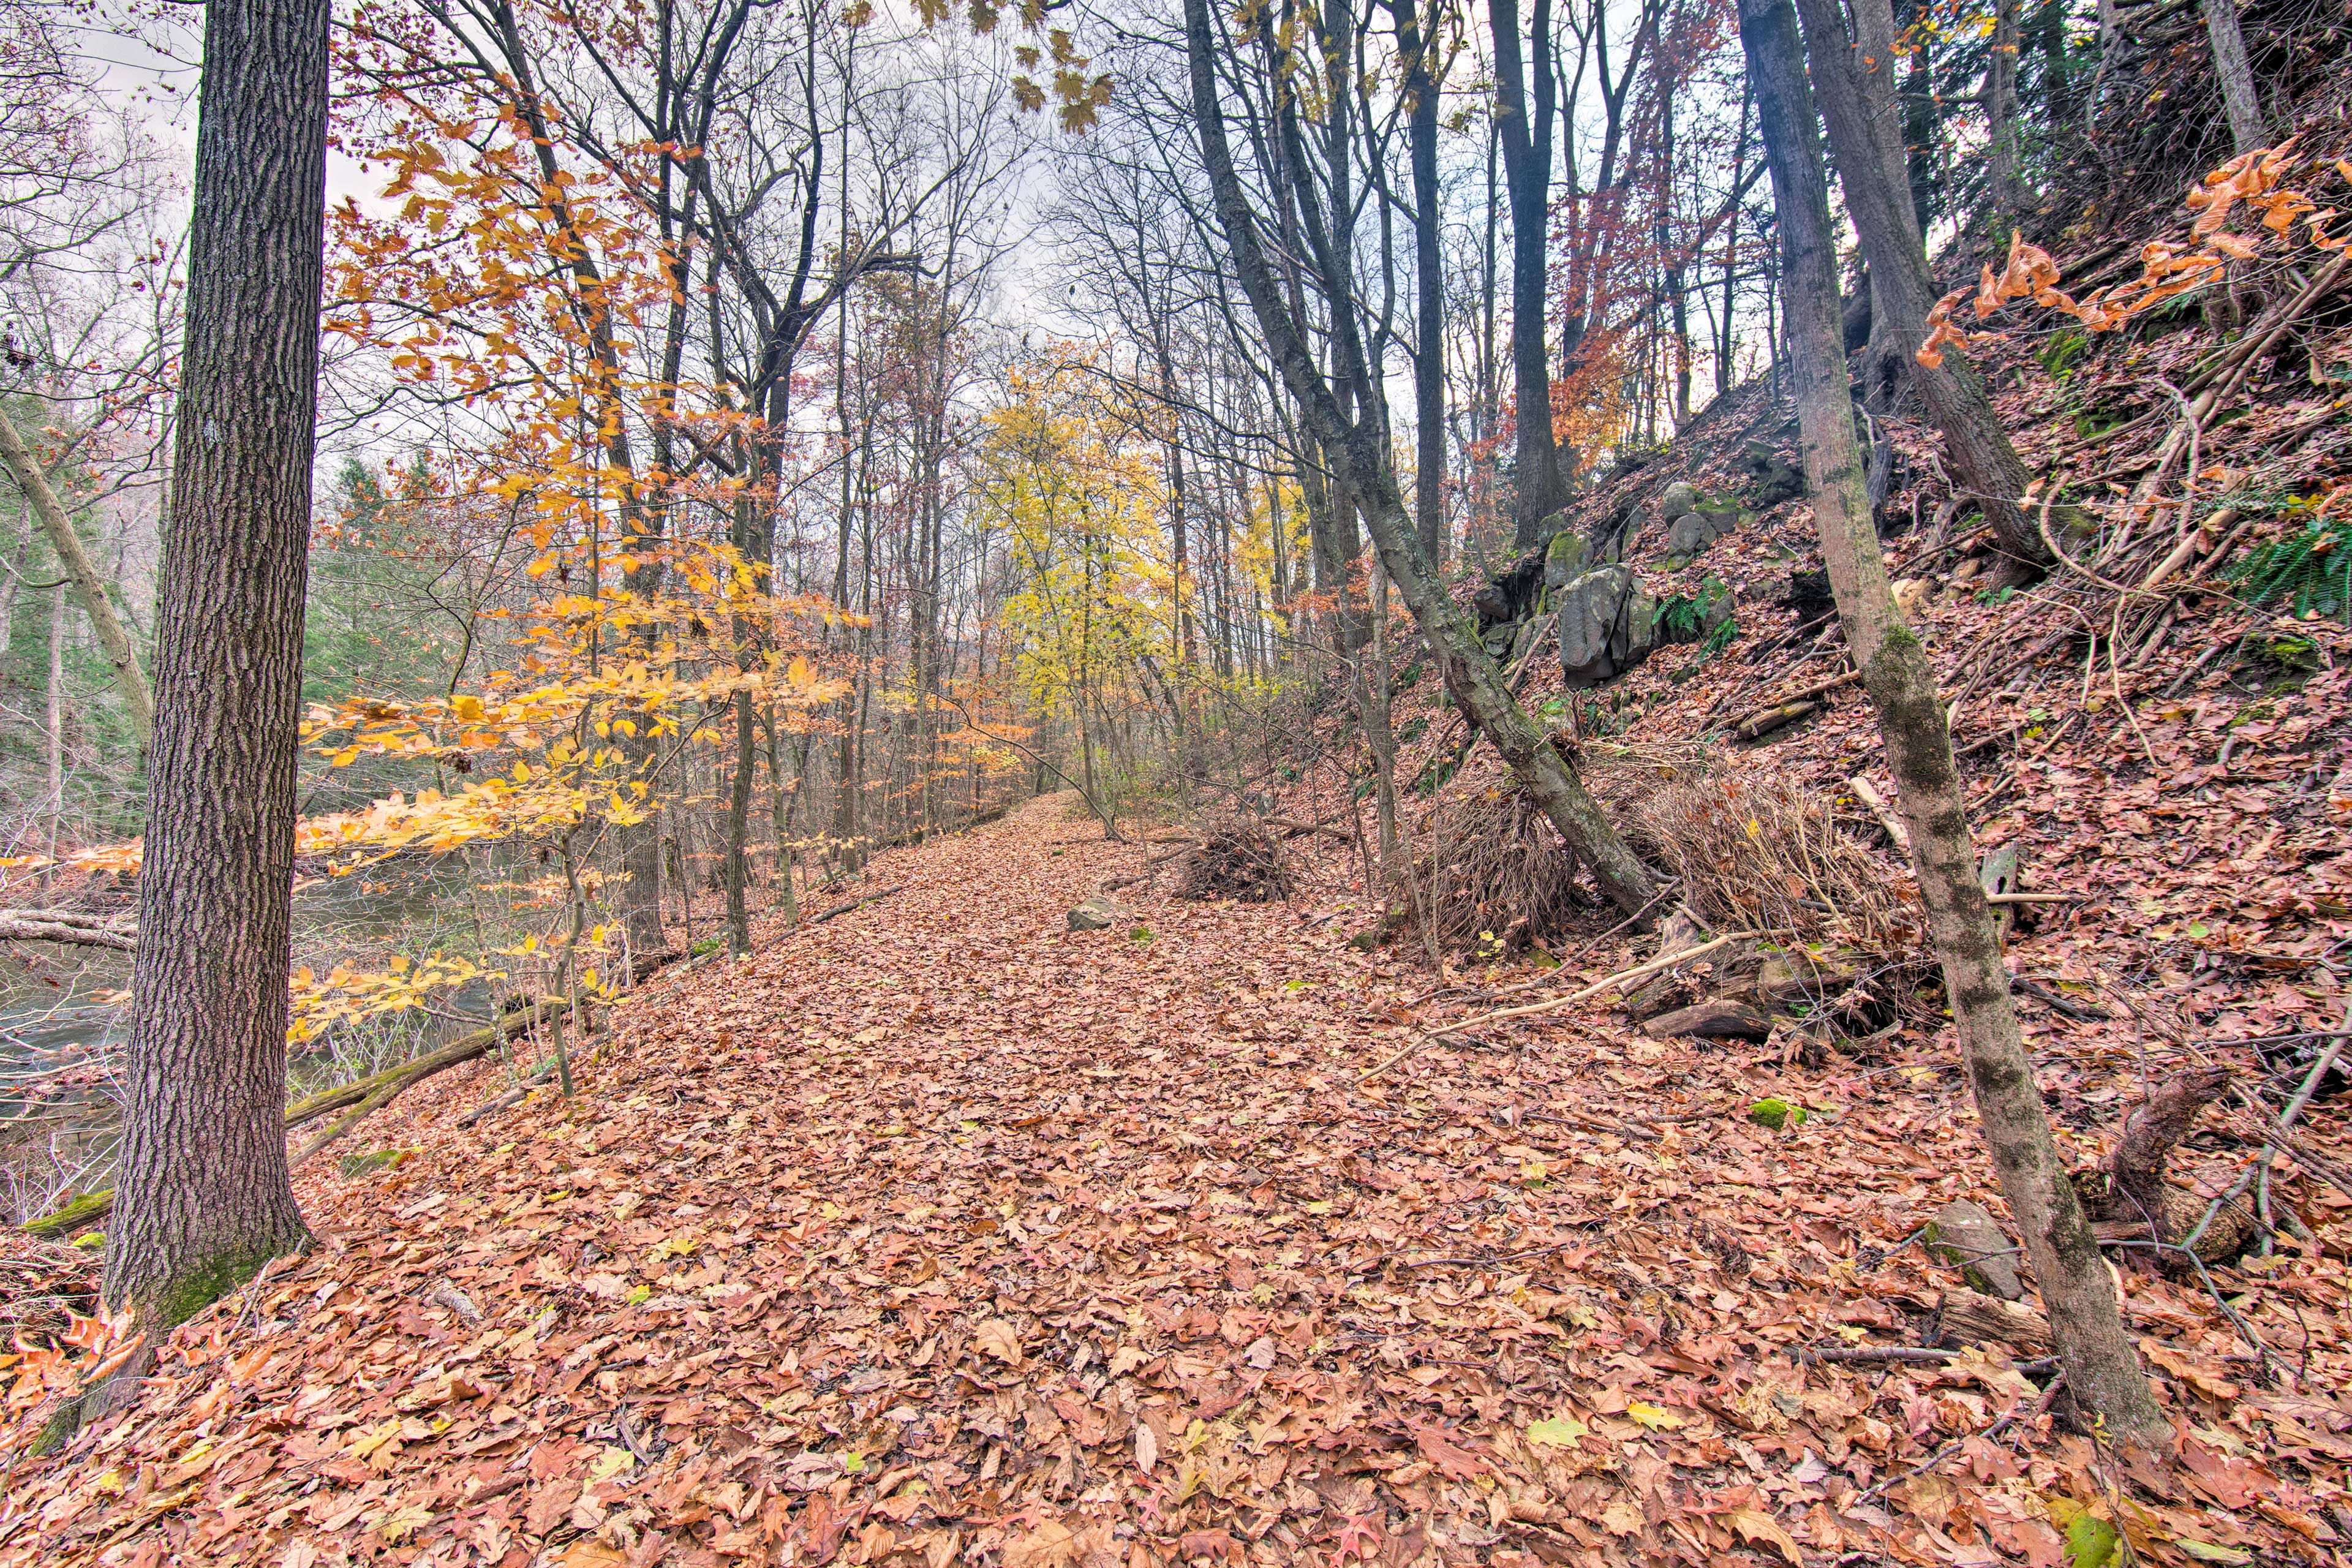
column 2309, row 570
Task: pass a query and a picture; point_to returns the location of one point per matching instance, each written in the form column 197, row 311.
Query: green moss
column 58, row 1430
column 1776, row 1114
column 82, row 1213
column 208, row 1279
column 375, row 1160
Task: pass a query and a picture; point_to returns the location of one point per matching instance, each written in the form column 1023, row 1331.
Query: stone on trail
column 1966, row 1237
column 1098, row 913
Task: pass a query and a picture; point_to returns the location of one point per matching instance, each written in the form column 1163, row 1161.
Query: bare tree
column 1356, row 446
column 2102, row 1366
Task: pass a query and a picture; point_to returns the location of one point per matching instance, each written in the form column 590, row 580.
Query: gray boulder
column 1608, row 624
column 1964, row 1235
column 1771, row 479
column 1715, row 603
column 1689, row 535
column 1098, row 913
column 1680, row 497
column 1567, row 558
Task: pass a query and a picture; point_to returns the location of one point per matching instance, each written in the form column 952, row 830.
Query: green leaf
column 2093, row 1542
column 1557, row 1432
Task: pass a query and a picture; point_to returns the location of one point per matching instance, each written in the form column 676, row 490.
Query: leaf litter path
column 940, row 1233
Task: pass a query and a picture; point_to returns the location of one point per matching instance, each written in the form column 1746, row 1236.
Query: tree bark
column 2005, row 154
column 1357, row 453
column 1429, row 281
column 26, row 469
column 204, row 1197
column 1857, row 104
column 2102, row 1364
column 1542, row 480
column 2249, row 126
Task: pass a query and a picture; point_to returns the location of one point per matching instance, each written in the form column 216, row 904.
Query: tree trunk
column 1429, row 281
column 1542, row 481
column 2004, row 155
column 204, row 1196
column 2249, row 126
column 1356, row 451
column 26, row 469
column 1856, row 101
column 2102, row 1366
column 57, row 725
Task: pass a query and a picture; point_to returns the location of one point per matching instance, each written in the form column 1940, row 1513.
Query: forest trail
column 938, row 1232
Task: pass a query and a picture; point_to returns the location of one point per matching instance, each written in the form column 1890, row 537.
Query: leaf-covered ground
column 940, row 1233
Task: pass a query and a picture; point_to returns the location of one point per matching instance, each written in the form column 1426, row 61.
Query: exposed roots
column 1503, row 878
column 1235, row 859
column 1756, row 851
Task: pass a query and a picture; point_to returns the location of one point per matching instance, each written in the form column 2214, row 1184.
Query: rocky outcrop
column 1608, row 624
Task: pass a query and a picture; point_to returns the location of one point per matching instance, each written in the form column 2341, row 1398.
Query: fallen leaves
column 962, row 1299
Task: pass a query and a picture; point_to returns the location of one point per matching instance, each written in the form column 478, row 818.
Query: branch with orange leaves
column 2256, row 179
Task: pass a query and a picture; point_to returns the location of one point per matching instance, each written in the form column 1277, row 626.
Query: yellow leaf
column 1656, row 1418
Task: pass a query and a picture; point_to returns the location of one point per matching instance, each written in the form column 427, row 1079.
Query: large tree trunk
column 2249, row 126
column 1857, row 103
column 1542, row 480
column 2101, row 1366
column 1356, row 451
column 204, row 1199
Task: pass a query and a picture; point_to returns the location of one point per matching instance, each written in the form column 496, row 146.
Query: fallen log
column 376, row 1093
column 88, row 1210
column 458, row 1052
column 1758, row 725
column 77, row 928
column 1973, row 1319
column 856, row 904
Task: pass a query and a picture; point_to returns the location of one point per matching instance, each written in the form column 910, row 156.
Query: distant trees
column 1350, row 438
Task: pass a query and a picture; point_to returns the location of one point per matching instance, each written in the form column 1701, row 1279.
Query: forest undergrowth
column 941, row 1230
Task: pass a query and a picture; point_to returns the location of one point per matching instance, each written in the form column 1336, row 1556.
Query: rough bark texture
column 1542, row 480
column 204, row 1193
column 1857, row 103
column 2131, row 1198
column 1357, row 453
column 26, row 469
column 2102, row 1364
column 1429, row 283
column 2155, row 1127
